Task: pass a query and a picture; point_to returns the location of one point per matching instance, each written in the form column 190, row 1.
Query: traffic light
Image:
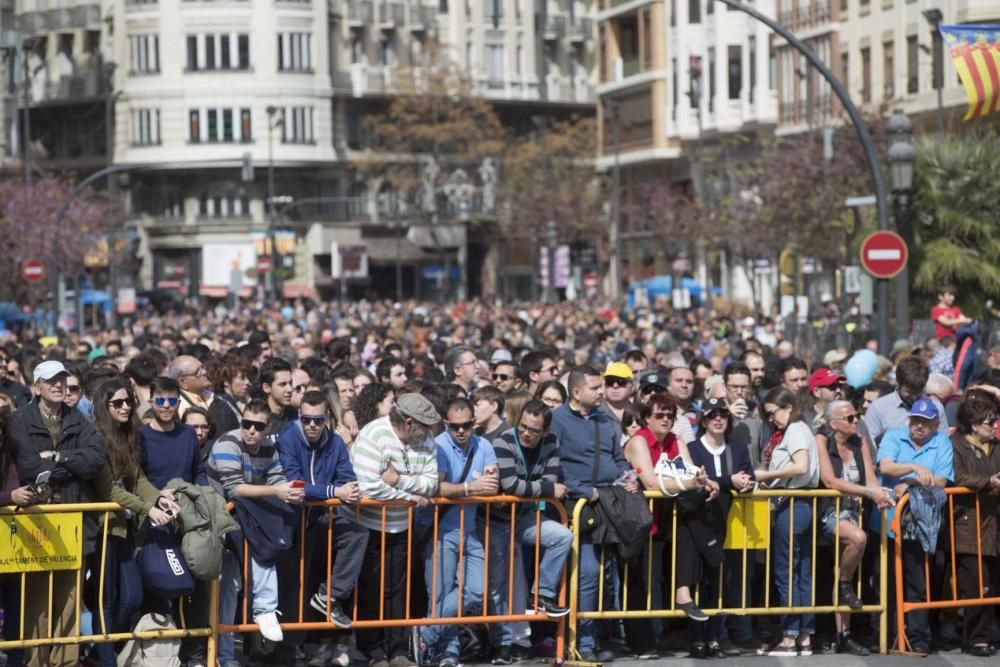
column 247, row 169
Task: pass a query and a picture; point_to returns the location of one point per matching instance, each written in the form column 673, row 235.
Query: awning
column 386, row 251
column 298, row 291
column 221, row 291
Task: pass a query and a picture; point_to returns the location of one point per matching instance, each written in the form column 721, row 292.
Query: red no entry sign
column 884, row 254
column 32, row 270
column 263, row 264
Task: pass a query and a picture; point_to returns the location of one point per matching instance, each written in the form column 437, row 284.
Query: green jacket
column 202, row 525
column 131, row 490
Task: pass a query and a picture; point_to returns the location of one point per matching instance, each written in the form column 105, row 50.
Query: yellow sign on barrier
column 749, row 522
column 41, row 542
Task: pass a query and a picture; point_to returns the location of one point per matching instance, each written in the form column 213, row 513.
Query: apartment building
column 882, row 50
column 199, row 89
column 685, row 76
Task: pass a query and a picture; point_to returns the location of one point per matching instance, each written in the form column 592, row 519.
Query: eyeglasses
column 470, row 362
column 550, row 370
column 462, row 426
column 530, row 430
column 664, row 415
column 310, row 420
column 989, row 421
column 72, row 389
column 160, row 401
column 198, row 371
column 119, row 403
column 500, row 377
column 850, row 419
column 770, row 413
column 617, row 382
column 249, row 424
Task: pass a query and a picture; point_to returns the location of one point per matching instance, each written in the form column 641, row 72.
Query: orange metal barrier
column 903, row 607
column 439, row 506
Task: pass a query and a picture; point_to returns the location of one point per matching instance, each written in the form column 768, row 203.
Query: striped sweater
column 377, row 446
column 230, row 464
column 516, row 479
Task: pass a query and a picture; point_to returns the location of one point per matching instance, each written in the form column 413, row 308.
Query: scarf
column 771, row 446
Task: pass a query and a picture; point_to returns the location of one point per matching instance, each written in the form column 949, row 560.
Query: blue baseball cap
column 924, row 408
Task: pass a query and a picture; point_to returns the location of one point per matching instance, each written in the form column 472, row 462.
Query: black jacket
column 225, row 414
column 82, row 452
column 268, row 525
column 624, row 520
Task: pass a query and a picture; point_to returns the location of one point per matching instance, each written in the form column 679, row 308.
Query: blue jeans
column 799, row 515
column 122, row 594
column 444, row 638
column 590, row 582
column 556, row 541
column 265, row 587
column 230, row 582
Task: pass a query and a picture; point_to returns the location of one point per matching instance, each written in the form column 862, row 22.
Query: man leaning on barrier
column 53, row 439
column 528, row 461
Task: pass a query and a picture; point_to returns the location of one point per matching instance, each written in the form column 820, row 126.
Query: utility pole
column 934, row 18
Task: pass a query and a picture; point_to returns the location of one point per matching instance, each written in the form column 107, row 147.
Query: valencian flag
column 975, row 50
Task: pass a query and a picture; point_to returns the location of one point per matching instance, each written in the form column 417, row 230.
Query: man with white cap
column 50, row 439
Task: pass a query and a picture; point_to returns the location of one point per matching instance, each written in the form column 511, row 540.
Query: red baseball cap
column 824, row 377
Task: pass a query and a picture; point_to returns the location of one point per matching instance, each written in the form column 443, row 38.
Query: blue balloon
column 860, row 368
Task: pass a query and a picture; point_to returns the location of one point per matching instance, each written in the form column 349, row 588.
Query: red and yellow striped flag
column 975, row 50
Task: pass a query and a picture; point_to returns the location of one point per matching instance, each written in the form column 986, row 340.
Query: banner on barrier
column 749, row 518
column 42, row 542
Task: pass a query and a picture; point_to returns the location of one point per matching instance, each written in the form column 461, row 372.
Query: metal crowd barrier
column 903, row 606
column 37, row 541
column 811, row 496
column 439, row 505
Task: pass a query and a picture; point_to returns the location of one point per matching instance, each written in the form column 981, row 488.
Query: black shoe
column 715, row 651
column 847, row 645
column 699, row 651
column 921, row 648
column 521, row 653
column 551, row 608
column 606, row 656
column 980, row 651
column 692, row 611
column 503, row 657
column 848, row 597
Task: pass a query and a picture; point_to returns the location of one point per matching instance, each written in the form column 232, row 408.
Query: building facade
column 199, row 91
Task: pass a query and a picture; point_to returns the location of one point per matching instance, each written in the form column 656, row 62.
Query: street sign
column 349, row 260
column 32, row 270
column 263, row 264
column 884, row 254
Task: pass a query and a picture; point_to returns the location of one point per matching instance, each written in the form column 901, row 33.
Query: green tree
column 956, row 216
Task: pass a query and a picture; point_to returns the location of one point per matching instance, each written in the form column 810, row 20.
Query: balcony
column 421, row 17
column 550, row 27
column 363, row 80
column 358, row 13
column 85, row 85
column 390, row 15
column 30, row 23
column 581, row 30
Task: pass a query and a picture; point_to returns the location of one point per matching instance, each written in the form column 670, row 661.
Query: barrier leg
column 212, row 649
column 883, row 584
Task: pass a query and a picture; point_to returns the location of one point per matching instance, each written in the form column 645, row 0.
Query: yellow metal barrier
column 810, row 496
column 40, row 539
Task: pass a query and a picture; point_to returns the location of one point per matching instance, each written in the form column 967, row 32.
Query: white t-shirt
column 716, row 454
column 797, row 437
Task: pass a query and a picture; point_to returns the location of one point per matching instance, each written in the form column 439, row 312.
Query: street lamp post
column 109, row 147
column 614, row 109
column 901, row 162
column 272, row 123
column 550, row 251
column 934, row 18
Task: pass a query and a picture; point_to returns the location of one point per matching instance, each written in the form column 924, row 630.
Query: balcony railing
column 358, row 12
column 421, row 17
column 551, row 27
column 390, row 14
column 79, row 86
column 581, row 29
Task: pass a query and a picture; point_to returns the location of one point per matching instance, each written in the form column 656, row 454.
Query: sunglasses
column 550, row 370
column 308, row 420
column 160, row 401
column 616, row 382
column 850, row 419
column 718, row 414
column 500, row 377
column 72, row 389
column 663, row 415
column 250, row 424
column 118, row 403
column 652, row 389
column 462, row 426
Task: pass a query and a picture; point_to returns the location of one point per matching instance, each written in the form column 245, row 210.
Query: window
column 145, row 127
column 494, row 64
column 866, row 74
column 711, row 78
column 736, row 71
column 752, row 64
column 912, row 65
column 387, row 52
column 673, row 13
column 211, row 52
column 144, row 54
column 233, row 203
column 357, row 50
column 494, row 12
column 298, row 126
column 695, row 75
column 710, row 7
column 888, row 73
column 673, row 89
column 694, row 11
column 218, row 125
column 294, row 52
column 442, row 6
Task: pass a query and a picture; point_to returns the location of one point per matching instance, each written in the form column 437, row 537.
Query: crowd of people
column 412, row 402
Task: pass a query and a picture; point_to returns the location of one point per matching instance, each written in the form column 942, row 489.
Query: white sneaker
column 269, row 628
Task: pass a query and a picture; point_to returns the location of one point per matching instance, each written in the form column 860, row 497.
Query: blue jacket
column 576, row 450
column 323, row 467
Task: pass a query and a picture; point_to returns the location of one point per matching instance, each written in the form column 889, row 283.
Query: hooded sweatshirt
column 323, row 466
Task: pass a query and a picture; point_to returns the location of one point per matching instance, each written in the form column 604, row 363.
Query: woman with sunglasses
column 122, row 481
column 977, row 467
column 790, row 461
column 727, row 463
column 845, row 465
column 652, row 442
